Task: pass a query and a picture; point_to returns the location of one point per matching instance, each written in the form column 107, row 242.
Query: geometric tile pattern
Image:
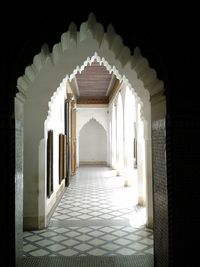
column 96, row 193
column 95, row 217
column 91, row 240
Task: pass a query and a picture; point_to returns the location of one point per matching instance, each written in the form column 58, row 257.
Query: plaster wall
column 93, row 143
column 36, row 204
column 84, row 115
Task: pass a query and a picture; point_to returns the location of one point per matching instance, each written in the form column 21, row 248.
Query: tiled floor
column 96, row 216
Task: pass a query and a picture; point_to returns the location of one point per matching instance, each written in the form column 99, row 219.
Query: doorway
column 149, row 111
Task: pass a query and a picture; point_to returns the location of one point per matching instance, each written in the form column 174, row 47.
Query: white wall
column 55, row 122
column 84, row 115
column 36, row 204
column 92, row 143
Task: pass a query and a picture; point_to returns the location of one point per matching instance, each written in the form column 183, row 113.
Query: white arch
column 88, row 119
column 84, row 121
column 95, row 142
column 40, row 80
column 75, row 47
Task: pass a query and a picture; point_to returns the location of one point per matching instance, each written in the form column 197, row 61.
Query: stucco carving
column 104, row 46
column 84, row 122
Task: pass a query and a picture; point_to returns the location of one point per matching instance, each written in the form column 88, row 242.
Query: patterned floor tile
column 97, row 252
column 68, row 252
column 91, row 219
column 137, row 246
column 33, row 238
column 96, row 242
column 58, row 238
column 110, row 246
column 126, row 251
column 70, row 242
column 55, row 247
column 29, row 247
column 39, row 252
column 44, row 242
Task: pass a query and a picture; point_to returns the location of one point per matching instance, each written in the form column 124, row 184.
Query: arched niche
column 93, row 140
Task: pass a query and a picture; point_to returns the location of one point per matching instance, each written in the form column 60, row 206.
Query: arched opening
column 132, row 71
column 93, row 139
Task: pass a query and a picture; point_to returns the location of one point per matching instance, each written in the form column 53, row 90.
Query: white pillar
column 120, row 137
column 113, row 137
column 42, row 216
column 141, row 165
column 109, row 142
column 130, row 174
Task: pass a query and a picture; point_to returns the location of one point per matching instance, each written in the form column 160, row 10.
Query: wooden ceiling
column 94, row 80
column 93, row 85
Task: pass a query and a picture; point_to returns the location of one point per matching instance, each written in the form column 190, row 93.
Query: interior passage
column 97, row 216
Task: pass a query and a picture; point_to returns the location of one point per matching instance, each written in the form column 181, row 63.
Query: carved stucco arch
column 74, row 48
column 88, row 120
column 84, row 122
column 44, row 79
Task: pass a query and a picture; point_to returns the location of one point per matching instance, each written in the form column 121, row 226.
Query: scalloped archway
column 87, row 119
column 96, row 145
column 37, row 85
column 74, row 48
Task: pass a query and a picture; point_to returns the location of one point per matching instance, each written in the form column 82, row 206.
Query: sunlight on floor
column 138, row 219
column 123, row 197
column 97, row 216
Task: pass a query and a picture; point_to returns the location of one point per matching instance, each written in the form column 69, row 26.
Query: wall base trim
column 33, row 223
column 57, row 199
column 149, row 223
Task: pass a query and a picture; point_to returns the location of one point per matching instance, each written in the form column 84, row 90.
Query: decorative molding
column 88, row 121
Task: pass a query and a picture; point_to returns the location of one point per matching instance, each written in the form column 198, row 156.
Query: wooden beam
column 93, row 100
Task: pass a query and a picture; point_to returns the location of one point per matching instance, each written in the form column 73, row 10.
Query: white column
column 120, row 157
column 42, row 216
column 129, row 118
column 113, row 137
column 109, row 142
column 141, row 165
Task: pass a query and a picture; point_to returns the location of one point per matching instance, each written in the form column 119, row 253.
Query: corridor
column 95, row 217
